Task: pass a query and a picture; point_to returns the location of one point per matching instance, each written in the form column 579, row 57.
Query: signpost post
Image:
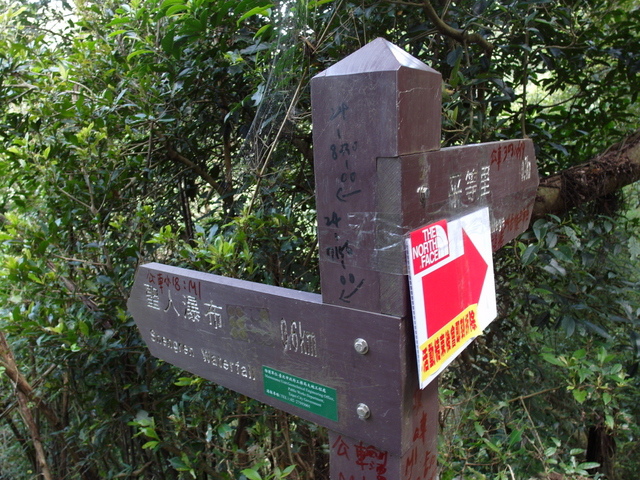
column 346, row 359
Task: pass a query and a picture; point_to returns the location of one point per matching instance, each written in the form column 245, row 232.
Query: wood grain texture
column 377, row 102
column 227, row 330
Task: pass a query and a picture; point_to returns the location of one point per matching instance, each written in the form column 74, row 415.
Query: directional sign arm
column 279, row 346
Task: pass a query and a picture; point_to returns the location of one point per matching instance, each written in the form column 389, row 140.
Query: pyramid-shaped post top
column 393, row 101
column 379, row 55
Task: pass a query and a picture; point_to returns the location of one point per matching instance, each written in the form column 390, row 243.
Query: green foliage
column 93, row 184
column 585, row 280
column 570, row 316
column 253, row 473
column 499, row 439
column 179, row 131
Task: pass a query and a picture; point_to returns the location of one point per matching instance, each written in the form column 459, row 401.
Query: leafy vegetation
column 179, row 131
column 569, row 329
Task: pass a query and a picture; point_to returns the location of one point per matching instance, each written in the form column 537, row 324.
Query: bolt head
column 423, row 192
column 363, row 411
column 361, row 346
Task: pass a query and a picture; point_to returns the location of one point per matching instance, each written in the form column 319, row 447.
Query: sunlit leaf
column 580, row 395
column 137, row 53
column 264, row 11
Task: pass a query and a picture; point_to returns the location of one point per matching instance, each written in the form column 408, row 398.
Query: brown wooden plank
column 227, row 330
column 453, row 181
column 379, row 174
column 377, row 102
column 357, row 459
column 415, row 190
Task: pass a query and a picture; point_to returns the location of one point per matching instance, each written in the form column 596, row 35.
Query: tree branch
column 28, row 400
column 7, row 360
column 25, row 396
column 605, row 174
column 173, row 155
column 460, row 36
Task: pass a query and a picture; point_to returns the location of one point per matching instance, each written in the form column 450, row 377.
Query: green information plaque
column 313, row 397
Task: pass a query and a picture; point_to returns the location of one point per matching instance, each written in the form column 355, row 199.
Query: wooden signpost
column 346, row 359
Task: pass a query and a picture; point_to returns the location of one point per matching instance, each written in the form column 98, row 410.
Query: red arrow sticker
column 453, row 295
column 454, row 286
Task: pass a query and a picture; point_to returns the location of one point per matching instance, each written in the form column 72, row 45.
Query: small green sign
column 301, row 393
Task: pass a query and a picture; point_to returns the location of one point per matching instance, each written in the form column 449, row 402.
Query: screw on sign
column 345, row 359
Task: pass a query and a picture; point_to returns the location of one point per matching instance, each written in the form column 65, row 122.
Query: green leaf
column 64, row 73
column 83, row 327
column 552, row 359
column 584, row 373
column 118, row 21
column 150, row 432
column 515, row 437
column 317, row 3
column 588, row 465
column 168, row 43
column 57, row 329
column 551, row 239
column 596, row 329
column 563, row 253
column 580, row 395
column 555, row 268
column 263, row 30
column 169, row 3
column 264, row 11
column 287, row 471
column 175, row 9
column 635, row 343
column 34, row 278
column 530, row 254
column 540, row 229
column 609, row 421
column 185, row 381
column 117, row 32
column 492, row 445
column 569, row 325
column 251, row 474
column 580, row 354
column 137, row 53
column 192, row 26
column 634, row 247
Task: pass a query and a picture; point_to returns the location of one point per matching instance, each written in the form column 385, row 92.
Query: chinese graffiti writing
column 509, row 151
column 343, row 152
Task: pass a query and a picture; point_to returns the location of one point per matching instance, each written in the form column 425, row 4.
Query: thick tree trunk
column 601, row 176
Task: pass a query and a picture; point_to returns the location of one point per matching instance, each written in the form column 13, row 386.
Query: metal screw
column 361, row 346
column 423, row 191
column 363, row 411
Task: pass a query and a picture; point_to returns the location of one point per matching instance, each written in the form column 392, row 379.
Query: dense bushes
column 180, row 132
